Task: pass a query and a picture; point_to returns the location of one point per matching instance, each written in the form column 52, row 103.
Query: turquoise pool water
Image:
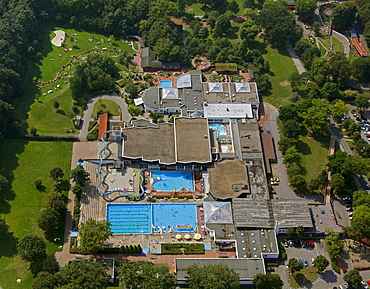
column 165, row 83
column 144, row 218
column 168, row 181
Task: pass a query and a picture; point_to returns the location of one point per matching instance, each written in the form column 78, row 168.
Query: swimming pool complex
column 222, row 130
column 149, row 218
column 165, row 83
column 167, row 181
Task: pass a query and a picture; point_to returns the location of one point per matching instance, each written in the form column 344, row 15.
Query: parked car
column 270, row 269
column 348, row 198
column 349, row 209
column 300, row 261
column 312, row 260
column 305, row 263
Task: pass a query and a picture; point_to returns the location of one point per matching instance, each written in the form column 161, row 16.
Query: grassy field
column 305, row 276
column 20, row 207
column 36, row 105
column 282, row 67
column 315, row 152
column 49, row 67
column 106, row 106
column 338, row 46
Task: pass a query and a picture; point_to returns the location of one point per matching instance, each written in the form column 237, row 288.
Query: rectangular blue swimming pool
column 165, row 84
column 168, row 181
column 151, row 218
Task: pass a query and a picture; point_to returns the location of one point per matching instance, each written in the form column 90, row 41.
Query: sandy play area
column 359, row 254
column 59, row 38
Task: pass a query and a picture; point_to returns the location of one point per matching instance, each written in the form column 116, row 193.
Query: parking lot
column 306, row 253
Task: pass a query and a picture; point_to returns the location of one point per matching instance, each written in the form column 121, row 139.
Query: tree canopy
column 211, row 276
column 81, row 274
column 294, row 265
column 31, row 248
column 321, row 263
column 93, row 235
column 272, row 281
column 344, row 15
column 353, row 278
column 146, row 275
column 56, row 173
column 80, row 176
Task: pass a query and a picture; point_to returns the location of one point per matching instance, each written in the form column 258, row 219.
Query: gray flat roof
column 252, row 213
column 223, row 175
column 246, row 268
column 230, row 91
column 169, row 143
column 253, row 242
column 265, row 213
column 228, row 110
column 292, row 213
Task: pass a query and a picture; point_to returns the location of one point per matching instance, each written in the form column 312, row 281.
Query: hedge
column 176, row 249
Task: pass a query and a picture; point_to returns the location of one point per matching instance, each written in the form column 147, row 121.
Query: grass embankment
column 23, row 162
column 303, row 277
column 282, row 67
column 36, row 105
column 105, row 106
column 314, row 154
column 337, row 45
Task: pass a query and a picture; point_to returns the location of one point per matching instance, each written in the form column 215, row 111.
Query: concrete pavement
column 295, row 58
column 89, row 109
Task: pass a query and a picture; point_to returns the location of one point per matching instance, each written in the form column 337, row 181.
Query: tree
column 361, row 69
column 4, row 227
column 93, row 235
column 31, row 248
column 272, row 281
column 353, row 278
column 55, row 201
column 49, row 221
column 294, row 265
column 82, row 274
column 361, row 198
column 292, row 156
column 298, row 182
column 315, row 117
column 248, row 30
column 77, row 190
column 3, row 183
column 223, row 25
column 51, row 264
column 56, row 104
column 305, row 8
column 44, row 280
column 361, row 220
column 56, row 173
column 134, row 110
column 300, row 230
column 80, row 176
column 146, row 275
column 233, row 6
column 330, row 91
column 339, row 108
column 285, row 143
column 131, row 89
column 211, row 276
column 362, row 102
column 338, row 182
column 277, row 21
column 321, row 263
column 290, row 231
column 38, row 185
column 344, row 15
column 291, row 128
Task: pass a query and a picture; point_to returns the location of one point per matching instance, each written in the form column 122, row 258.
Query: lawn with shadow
column 23, row 162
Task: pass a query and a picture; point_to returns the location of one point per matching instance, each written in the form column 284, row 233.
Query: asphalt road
column 360, row 183
column 295, row 58
column 340, row 37
column 89, row 109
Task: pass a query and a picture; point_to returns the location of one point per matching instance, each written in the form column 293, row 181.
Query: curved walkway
column 89, row 109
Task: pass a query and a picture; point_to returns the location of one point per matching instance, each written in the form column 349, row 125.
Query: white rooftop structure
column 242, row 87
column 183, row 81
column 217, row 213
column 138, row 101
column 170, row 93
column 228, row 110
column 215, row 87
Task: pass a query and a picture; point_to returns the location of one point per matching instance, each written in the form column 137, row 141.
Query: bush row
column 175, row 249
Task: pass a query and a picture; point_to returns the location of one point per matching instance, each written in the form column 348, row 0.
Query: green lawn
column 282, row 67
column 20, row 163
column 305, row 276
column 49, row 67
column 338, row 46
column 106, row 106
column 315, row 152
column 41, row 114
